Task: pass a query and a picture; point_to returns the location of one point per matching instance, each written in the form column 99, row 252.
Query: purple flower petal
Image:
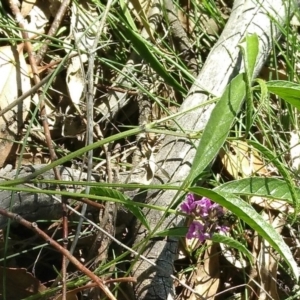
column 197, row 230
column 203, row 207
column 206, row 214
column 189, row 204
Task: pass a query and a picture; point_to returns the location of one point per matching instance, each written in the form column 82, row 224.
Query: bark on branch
column 36, row 206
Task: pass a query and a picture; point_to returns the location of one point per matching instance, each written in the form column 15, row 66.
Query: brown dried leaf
column 26, row 7
column 19, row 283
column 207, row 276
column 39, row 19
column 267, row 72
column 14, row 82
column 76, row 79
column 71, row 295
column 267, row 203
column 263, row 279
column 241, row 160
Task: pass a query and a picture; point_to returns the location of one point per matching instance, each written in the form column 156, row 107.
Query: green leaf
column 175, row 232
column 288, row 91
column 112, row 195
column 283, row 171
column 250, row 51
column 127, row 15
column 262, row 187
column 246, row 212
column 232, row 243
column 218, row 127
column 74, row 154
column 249, row 48
column 263, row 88
column 109, row 193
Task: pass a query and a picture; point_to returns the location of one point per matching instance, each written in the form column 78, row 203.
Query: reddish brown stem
column 43, row 115
column 53, row 29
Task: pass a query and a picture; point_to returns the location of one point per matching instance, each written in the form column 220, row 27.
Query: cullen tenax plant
column 206, row 216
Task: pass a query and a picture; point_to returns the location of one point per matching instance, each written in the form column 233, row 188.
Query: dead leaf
column 19, row 283
column 267, row 72
column 39, row 19
column 84, row 26
column 241, row 160
column 150, row 167
column 76, row 79
column 26, row 7
column 73, row 126
column 264, row 277
column 295, row 151
column 207, row 276
column 230, row 256
column 15, row 81
column 187, row 24
column 266, row 203
column 71, row 295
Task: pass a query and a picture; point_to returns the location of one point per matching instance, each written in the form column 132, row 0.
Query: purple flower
column 197, row 230
column 189, row 205
column 203, row 232
column 203, row 207
column 206, row 214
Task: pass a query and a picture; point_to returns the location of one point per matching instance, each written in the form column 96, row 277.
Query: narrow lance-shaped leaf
column 74, row 154
column 143, row 48
column 249, row 48
column 288, row 91
column 257, row 186
column 232, row 243
column 250, row 51
column 218, row 127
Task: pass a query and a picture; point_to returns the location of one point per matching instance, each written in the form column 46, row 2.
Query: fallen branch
column 38, row 206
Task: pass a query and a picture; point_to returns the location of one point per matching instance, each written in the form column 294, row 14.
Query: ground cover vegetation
column 149, row 149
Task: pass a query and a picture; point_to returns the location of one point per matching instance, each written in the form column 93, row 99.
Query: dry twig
column 53, row 29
